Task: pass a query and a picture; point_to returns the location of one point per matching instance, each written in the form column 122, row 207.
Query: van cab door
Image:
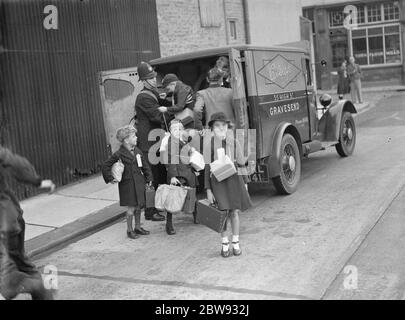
column 118, row 91
column 311, row 96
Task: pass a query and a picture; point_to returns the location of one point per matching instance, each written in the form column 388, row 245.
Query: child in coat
column 230, row 194
column 135, row 176
column 177, row 161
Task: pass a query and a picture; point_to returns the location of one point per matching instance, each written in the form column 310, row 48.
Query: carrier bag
column 197, row 161
column 209, row 215
column 117, row 170
column 170, row 198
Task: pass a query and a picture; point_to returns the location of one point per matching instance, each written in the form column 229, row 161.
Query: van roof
column 221, row 51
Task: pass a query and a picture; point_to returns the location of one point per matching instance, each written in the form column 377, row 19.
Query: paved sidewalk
column 77, row 210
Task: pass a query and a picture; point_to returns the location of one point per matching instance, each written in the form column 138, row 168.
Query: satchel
column 184, row 114
column 189, row 203
column 209, row 215
column 170, row 198
column 117, row 170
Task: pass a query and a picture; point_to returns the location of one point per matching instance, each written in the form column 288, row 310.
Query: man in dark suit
column 17, row 273
column 148, row 118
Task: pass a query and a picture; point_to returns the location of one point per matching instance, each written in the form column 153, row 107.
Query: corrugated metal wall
column 50, row 101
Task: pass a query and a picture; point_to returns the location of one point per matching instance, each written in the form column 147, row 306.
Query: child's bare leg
column 137, row 218
column 225, row 241
column 235, row 232
column 130, row 217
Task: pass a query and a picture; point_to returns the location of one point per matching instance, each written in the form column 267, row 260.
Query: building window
column 336, row 18
column 370, row 13
column 391, row 11
column 210, row 13
column 361, row 15
column 232, row 30
column 339, row 53
column 377, row 45
column 374, row 13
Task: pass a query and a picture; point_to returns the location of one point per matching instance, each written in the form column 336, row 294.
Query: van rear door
column 238, row 87
column 118, row 91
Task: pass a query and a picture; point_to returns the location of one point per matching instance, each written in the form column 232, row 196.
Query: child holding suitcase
column 135, row 176
column 230, row 194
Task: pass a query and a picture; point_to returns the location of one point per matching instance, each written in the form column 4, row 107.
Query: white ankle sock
column 235, row 239
column 225, row 243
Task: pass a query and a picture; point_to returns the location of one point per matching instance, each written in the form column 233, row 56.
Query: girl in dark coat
column 343, row 80
column 230, row 194
column 177, row 161
column 134, row 178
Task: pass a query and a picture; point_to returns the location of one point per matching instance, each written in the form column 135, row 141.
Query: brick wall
column 180, row 26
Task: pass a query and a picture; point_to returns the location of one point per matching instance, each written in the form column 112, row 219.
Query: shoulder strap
column 149, row 93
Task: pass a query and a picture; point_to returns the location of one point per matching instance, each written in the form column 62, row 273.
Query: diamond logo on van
column 279, row 71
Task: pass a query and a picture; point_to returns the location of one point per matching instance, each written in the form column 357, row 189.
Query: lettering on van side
column 289, row 107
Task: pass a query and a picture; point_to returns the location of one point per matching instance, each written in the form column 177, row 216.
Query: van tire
column 290, row 173
column 347, row 142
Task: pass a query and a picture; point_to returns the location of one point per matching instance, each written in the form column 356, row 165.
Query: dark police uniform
column 17, row 273
column 148, row 118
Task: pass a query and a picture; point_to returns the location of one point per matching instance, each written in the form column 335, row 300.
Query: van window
column 117, row 89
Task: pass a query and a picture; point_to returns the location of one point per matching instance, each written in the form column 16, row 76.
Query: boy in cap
column 135, row 176
column 182, row 97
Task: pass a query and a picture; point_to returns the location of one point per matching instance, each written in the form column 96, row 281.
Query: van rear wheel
column 290, row 164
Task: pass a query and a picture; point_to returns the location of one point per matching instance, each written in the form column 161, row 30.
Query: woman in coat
column 135, row 176
column 230, row 194
column 343, row 81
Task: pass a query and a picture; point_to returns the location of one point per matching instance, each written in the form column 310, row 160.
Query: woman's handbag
column 170, row 198
column 117, row 170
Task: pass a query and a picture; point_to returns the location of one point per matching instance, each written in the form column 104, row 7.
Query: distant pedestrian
column 354, row 72
column 17, row 273
column 230, row 194
column 149, row 118
column 135, row 176
column 343, row 80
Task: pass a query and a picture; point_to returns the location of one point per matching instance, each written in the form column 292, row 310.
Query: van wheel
column 347, row 135
column 290, row 164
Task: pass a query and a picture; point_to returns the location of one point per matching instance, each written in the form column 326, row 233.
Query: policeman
column 148, row 118
column 17, row 273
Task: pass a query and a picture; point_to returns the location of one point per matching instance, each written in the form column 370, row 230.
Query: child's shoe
column 237, row 251
column 132, row 235
column 225, row 252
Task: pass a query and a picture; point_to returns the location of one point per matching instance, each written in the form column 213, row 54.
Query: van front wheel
column 290, row 166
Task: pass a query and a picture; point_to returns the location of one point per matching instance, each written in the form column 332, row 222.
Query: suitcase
column 149, row 197
column 211, row 216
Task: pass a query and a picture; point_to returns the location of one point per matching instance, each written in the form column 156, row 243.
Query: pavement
column 75, row 211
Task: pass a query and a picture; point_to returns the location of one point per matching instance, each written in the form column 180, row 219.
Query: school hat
column 169, row 78
column 218, row 116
